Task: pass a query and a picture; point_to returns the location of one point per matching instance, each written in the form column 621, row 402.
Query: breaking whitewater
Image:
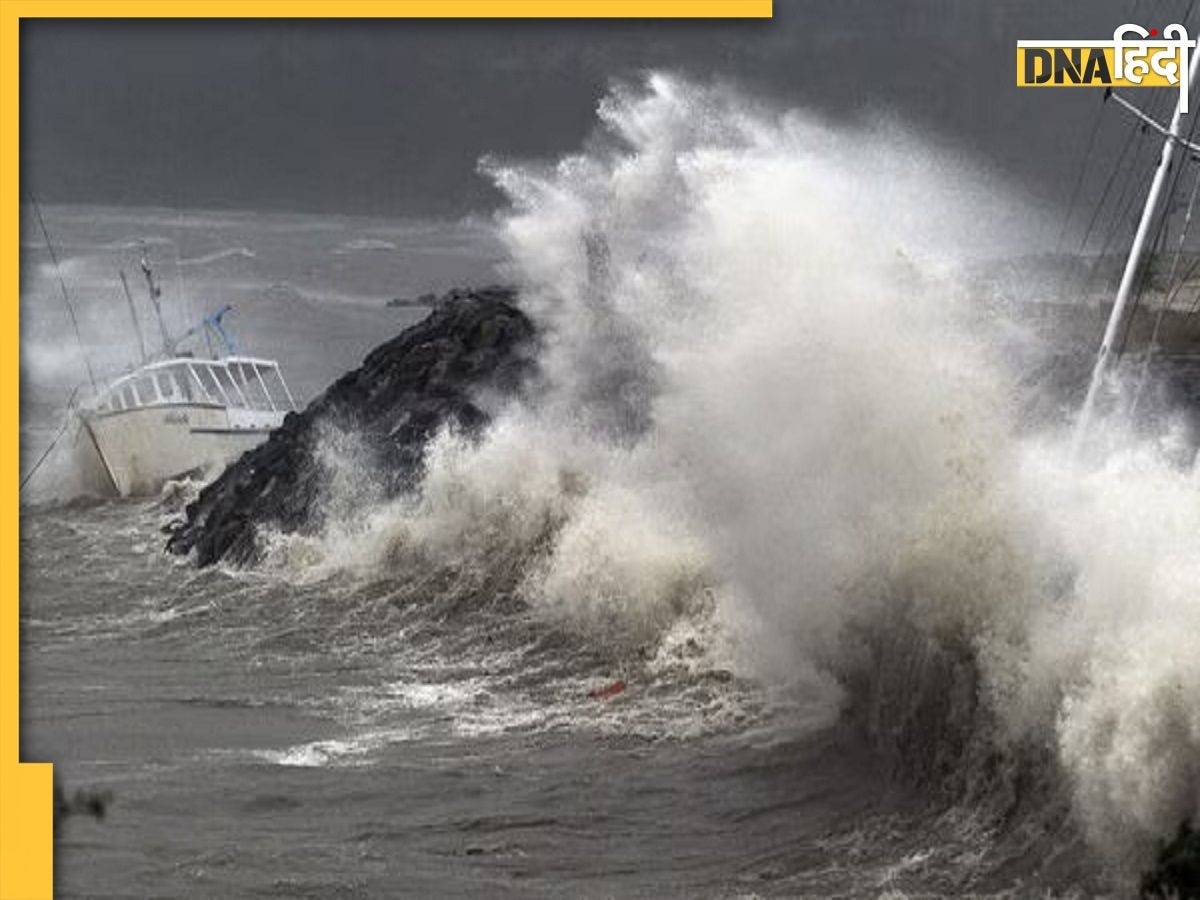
column 779, row 471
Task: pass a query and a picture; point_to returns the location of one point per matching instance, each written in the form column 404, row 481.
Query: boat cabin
column 251, row 391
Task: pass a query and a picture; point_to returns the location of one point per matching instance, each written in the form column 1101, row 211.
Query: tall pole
column 155, row 293
column 133, row 315
column 1116, row 319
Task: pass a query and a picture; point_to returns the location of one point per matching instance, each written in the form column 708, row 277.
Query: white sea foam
column 354, row 751
column 218, row 256
column 767, row 417
column 364, row 245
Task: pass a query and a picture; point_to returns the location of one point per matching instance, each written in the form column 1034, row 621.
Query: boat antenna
column 184, row 296
column 87, row 363
column 137, row 327
column 155, row 293
column 1133, row 265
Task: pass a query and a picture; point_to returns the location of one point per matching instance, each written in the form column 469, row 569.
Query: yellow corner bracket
column 26, row 789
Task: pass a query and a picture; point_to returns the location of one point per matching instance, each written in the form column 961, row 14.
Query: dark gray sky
column 391, row 117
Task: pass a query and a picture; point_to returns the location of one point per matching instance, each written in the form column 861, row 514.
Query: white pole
column 1116, row 319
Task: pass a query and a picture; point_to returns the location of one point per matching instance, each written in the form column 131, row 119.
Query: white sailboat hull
column 141, row 449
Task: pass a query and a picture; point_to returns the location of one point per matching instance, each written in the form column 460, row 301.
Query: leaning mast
column 1133, row 265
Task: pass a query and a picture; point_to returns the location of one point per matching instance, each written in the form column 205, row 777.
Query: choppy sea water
column 359, row 739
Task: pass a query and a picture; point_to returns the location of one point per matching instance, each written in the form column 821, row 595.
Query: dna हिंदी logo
column 1134, row 57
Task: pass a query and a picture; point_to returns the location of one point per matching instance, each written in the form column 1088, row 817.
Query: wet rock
column 1176, row 873
column 423, row 300
column 473, row 348
column 81, row 803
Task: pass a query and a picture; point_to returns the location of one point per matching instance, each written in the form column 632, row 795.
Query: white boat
column 183, row 416
column 174, row 415
column 180, row 415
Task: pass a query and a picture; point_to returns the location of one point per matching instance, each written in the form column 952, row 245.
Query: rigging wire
column 1173, row 287
column 1164, row 217
column 1133, row 178
column 87, row 363
column 67, row 419
column 1126, row 199
column 1138, row 268
column 1079, row 179
column 1168, row 301
column 1195, row 307
column 1145, row 271
column 1153, row 108
column 1118, row 169
column 184, row 297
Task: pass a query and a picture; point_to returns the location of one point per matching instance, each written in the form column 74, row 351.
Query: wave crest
column 769, row 407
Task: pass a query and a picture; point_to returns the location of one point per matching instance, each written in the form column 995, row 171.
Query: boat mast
column 155, row 293
column 1133, row 265
column 133, row 315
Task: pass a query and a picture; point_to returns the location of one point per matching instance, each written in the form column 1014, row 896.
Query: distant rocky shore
column 474, row 343
column 429, row 299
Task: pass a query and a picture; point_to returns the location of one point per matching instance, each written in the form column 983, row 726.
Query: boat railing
column 232, row 383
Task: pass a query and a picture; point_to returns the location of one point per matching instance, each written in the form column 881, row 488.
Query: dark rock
column 423, row 300
column 1176, row 874
column 82, row 803
column 473, row 346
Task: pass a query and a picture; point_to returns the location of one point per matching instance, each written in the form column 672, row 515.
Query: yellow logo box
column 1052, row 66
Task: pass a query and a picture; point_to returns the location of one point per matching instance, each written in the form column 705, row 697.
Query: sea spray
column 779, row 298
column 767, row 408
column 1120, row 648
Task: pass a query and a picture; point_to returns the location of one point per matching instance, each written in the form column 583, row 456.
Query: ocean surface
column 351, row 739
column 771, row 588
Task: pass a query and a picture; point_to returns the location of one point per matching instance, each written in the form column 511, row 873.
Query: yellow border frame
column 26, row 805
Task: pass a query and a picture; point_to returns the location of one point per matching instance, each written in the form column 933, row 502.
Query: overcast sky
column 391, row 117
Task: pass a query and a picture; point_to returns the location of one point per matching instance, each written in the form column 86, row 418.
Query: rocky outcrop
column 473, row 346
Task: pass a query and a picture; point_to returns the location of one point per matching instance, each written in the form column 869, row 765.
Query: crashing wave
column 766, row 403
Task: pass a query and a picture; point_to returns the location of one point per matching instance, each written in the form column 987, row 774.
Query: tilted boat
column 183, row 416
column 180, row 414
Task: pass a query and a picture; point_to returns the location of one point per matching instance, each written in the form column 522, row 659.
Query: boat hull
column 141, row 449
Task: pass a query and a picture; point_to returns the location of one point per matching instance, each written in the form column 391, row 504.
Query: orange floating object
column 608, row 691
